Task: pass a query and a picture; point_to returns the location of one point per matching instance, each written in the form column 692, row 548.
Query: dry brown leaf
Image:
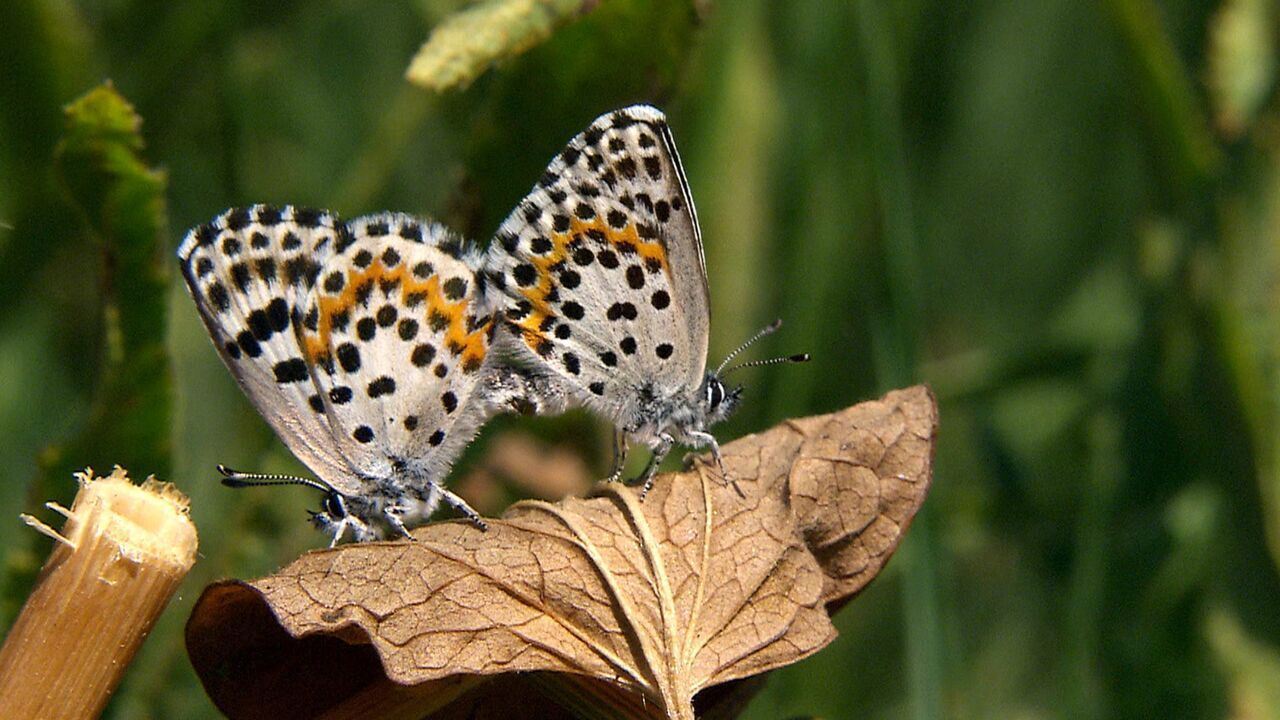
column 642, row 604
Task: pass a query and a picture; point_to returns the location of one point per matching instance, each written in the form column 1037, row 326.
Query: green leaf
column 1242, row 62
column 121, row 202
column 469, row 42
column 1168, row 98
column 1246, row 308
column 1252, row 667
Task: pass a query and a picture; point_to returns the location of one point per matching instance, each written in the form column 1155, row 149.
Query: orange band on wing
column 625, row 241
column 470, row 344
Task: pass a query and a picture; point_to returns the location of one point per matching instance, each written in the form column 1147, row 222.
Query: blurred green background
column 1063, row 215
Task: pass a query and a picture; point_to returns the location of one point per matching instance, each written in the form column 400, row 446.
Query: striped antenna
column 237, row 479
column 802, row 357
column 769, row 329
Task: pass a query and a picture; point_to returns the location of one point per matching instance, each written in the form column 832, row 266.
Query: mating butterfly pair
column 377, row 347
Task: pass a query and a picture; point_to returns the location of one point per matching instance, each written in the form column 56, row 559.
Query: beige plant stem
column 119, row 558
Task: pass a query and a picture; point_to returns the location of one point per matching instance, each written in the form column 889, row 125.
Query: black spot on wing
column 290, row 371
column 269, row 215
column 348, row 357
column 237, row 219
column 381, row 386
column 408, row 329
column 455, row 288
column 423, row 354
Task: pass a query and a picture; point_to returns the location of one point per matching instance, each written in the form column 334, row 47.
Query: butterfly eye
column 715, row 393
column 334, row 506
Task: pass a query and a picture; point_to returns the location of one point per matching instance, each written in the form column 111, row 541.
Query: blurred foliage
column 121, row 203
column 466, row 43
column 1063, row 215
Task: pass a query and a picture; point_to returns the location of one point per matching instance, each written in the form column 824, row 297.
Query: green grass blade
column 897, row 352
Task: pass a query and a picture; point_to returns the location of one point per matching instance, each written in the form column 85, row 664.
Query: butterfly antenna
column 237, row 479
column 801, row 358
column 769, row 329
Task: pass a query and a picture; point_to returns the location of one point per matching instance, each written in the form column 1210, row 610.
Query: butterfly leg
column 660, row 450
column 619, row 455
column 359, row 531
column 394, row 515
column 461, row 506
column 341, row 529
column 707, row 440
column 325, row 523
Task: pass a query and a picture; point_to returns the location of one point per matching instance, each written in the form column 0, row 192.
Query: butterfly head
column 719, row 400
column 334, row 506
column 337, row 513
column 332, row 512
column 338, row 517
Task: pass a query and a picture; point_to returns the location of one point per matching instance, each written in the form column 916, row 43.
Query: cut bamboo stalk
column 119, row 558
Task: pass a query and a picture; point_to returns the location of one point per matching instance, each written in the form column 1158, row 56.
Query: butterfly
column 364, row 346
column 600, row 280
column 377, row 348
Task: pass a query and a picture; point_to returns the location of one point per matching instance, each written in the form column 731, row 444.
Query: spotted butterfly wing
column 247, row 271
column 601, row 269
column 358, row 343
column 394, row 332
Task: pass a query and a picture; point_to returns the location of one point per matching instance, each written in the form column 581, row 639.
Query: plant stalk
column 119, row 558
